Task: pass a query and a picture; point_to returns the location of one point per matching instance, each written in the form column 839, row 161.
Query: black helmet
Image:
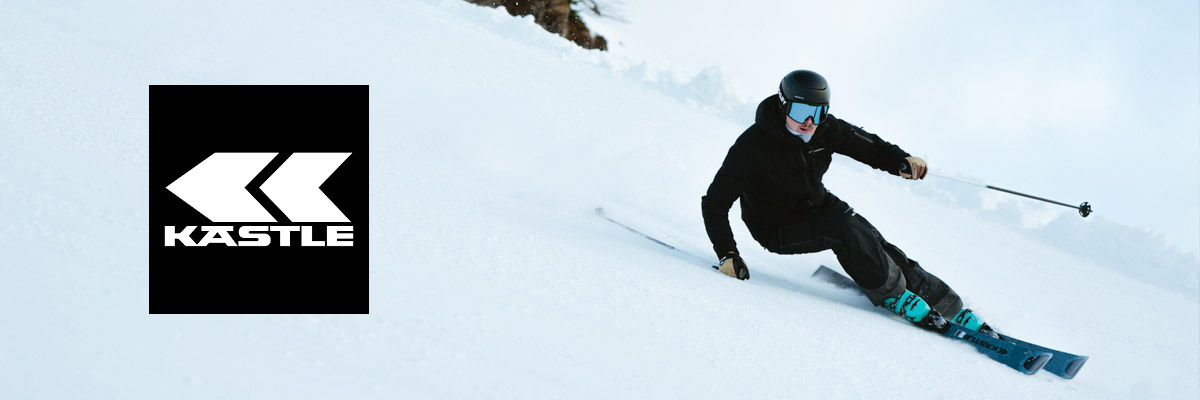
column 804, row 86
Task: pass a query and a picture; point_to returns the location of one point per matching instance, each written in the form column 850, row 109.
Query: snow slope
column 491, row 143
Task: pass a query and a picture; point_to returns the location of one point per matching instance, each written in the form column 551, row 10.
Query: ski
column 1015, row 353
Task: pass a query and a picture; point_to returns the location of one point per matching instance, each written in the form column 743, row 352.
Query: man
column 775, row 168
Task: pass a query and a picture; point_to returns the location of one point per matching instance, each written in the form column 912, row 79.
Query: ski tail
column 827, row 274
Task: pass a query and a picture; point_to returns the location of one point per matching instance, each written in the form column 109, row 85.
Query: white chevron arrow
column 217, row 187
column 296, row 187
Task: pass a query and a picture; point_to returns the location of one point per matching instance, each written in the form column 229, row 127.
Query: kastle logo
column 259, row 200
column 217, row 188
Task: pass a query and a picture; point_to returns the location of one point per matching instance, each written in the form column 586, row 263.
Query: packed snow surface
column 492, row 142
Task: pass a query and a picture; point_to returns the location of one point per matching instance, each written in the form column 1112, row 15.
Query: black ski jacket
column 778, row 176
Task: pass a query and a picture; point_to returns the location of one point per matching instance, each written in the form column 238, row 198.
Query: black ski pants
column 879, row 267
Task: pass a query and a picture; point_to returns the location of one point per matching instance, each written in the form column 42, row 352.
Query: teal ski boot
column 969, row 320
column 915, row 309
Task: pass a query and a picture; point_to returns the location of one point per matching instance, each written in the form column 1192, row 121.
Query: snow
column 492, row 142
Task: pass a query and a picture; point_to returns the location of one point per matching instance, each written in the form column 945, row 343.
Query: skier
column 775, row 168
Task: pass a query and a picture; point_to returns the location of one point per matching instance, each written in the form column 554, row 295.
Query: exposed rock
column 555, row 16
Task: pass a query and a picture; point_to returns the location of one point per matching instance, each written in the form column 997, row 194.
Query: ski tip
column 1033, row 364
column 600, row 211
column 1073, row 367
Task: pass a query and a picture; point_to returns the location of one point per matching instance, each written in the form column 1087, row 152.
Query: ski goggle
column 800, row 112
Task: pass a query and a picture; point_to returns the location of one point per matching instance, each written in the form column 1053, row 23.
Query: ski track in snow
column 491, row 143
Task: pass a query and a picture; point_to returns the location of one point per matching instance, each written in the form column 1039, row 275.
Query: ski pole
column 701, row 260
column 1085, row 209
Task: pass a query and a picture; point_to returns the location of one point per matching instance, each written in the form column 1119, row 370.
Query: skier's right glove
column 733, row 265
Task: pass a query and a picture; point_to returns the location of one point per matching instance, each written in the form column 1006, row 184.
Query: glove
column 733, row 265
column 913, row 168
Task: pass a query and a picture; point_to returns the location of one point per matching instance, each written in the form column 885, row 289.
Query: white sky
column 1073, row 101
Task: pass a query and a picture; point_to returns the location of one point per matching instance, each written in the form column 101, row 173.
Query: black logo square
column 259, row 199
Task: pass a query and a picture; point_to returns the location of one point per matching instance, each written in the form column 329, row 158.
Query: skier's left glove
column 913, row 168
column 733, row 265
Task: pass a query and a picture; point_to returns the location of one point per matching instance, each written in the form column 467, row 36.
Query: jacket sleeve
column 727, row 186
column 868, row 148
